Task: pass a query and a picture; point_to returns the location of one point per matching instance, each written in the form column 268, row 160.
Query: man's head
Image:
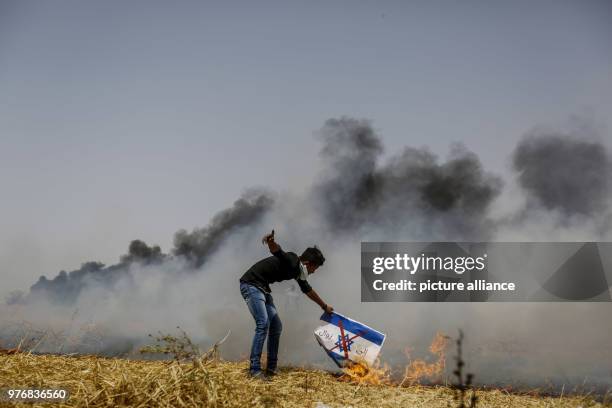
column 312, row 258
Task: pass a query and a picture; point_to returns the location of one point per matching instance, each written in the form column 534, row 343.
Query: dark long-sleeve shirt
column 278, row 267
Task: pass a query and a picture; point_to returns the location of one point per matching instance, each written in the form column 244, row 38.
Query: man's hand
column 268, row 238
column 328, row 309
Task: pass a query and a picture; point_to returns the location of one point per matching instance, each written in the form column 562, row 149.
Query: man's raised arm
column 269, row 240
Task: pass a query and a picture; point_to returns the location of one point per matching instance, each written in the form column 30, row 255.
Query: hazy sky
column 123, row 120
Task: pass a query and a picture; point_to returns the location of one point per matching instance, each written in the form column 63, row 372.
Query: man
column 255, row 289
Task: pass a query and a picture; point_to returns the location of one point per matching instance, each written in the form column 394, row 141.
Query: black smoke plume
column 561, row 172
column 194, row 247
column 66, row 286
column 198, row 245
column 435, row 200
column 359, row 191
column 350, row 187
column 140, row 252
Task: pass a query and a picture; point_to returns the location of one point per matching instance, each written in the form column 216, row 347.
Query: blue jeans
column 267, row 322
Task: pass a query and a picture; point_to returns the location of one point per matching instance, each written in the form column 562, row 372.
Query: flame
column 419, row 369
column 363, row 373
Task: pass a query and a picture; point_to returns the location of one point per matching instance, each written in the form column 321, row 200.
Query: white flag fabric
column 346, row 340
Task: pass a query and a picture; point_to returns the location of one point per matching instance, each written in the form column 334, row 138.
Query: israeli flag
column 346, row 340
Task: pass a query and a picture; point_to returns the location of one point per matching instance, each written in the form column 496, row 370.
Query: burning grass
column 103, row 382
column 416, row 371
column 419, row 369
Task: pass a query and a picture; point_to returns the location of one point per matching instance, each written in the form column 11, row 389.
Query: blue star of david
column 347, row 340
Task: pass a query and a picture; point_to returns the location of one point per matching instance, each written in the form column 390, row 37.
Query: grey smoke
column 358, row 190
column 562, row 172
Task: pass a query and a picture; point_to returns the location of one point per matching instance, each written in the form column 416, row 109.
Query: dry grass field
column 103, row 382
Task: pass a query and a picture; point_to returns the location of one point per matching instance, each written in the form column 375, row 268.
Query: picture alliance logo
column 413, row 264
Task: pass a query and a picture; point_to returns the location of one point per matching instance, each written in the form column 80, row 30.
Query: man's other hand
column 328, row 309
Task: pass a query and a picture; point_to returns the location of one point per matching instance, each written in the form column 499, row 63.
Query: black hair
column 313, row 255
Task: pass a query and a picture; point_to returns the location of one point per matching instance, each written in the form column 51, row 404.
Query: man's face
column 310, row 267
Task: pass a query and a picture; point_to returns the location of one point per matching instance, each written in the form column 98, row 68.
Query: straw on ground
column 103, row 382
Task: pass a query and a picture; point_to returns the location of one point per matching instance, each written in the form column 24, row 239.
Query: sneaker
column 258, row 375
column 272, row 373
